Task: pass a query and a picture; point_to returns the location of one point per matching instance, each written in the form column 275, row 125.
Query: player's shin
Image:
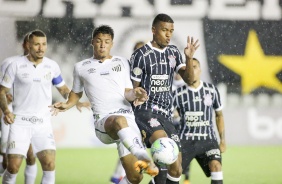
column 133, row 143
column 30, row 173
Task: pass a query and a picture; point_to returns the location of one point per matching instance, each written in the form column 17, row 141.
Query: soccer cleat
column 142, row 166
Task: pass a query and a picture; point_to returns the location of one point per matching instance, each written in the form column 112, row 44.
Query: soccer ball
column 164, row 151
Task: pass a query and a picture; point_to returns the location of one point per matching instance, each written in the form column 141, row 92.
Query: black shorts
column 203, row 150
column 148, row 123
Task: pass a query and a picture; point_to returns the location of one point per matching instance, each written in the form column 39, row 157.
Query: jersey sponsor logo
column 148, row 52
column 91, row 70
column 137, row 71
column 159, row 83
column 154, row 122
column 104, row 73
column 157, row 108
column 193, row 116
column 213, row 152
column 122, row 111
column 36, row 79
column 196, row 134
column 197, row 99
column 207, row 99
column 153, row 64
column 117, row 68
column 196, row 113
column 86, row 63
column 33, row 119
column 172, row 62
column 197, row 124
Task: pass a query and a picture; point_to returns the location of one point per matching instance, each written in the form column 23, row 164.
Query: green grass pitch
column 244, row 165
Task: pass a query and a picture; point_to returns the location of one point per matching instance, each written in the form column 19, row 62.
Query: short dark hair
column 37, row 33
column 162, row 18
column 104, row 29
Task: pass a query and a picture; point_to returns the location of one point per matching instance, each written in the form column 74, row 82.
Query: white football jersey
column 32, row 86
column 104, row 84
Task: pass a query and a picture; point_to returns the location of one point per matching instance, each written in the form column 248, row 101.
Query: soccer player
column 106, row 82
column 31, row 167
column 152, row 68
column 119, row 171
column 196, row 103
column 31, row 78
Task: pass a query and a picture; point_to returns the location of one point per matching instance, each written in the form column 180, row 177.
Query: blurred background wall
column 240, row 52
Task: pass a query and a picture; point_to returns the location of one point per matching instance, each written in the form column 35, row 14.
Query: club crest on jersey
column 154, row 122
column 172, row 61
column 207, row 99
column 137, row 71
column 117, row 68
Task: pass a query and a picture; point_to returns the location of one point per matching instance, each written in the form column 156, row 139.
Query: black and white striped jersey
column 154, row 69
column 196, row 107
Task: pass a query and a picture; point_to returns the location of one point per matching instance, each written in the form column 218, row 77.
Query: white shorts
column 30, row 130
column 106, row 139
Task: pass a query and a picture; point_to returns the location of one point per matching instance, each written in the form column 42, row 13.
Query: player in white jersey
column 106, row 82
column 31, row 167
column 31, row 78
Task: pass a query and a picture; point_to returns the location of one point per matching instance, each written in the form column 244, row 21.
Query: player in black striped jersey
column 196, row 103
column 153, row 67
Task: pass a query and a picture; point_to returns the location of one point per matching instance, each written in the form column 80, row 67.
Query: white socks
column 119, row 171
column 133, row 143
column 9, row 178
column 48, row 177
column 217, row 175
column 124, row 181
column 30, row 173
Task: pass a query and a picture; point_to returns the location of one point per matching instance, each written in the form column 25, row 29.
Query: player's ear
column 92, row 42
column 153, row 30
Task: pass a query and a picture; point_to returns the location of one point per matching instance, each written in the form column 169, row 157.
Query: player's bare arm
column 135, row 84
column 63, row 106
column 65, row 91
column 9, row 117
column 187, row 73
column 221, row 131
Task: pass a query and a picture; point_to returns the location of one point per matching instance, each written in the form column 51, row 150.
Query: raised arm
column 220, row 127
column 187, row 72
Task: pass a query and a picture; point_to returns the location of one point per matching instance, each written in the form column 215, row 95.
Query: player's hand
column 9, row 118
column 58, row 107
column 141, row 96
column 80, row 105
column 222, row 146
column 191, row 47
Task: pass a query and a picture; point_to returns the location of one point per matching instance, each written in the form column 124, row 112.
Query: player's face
column 37, row 47
column 162, row 34
column 197, row 71
column 102, row 44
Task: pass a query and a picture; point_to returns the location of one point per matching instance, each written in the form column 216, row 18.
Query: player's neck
column 156, row 45
column 102, row 59
column 34, row 60
column 195, row 84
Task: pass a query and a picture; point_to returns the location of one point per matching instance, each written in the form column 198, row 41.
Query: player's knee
column 175, row 169
column 215, row 166
column 48, row 165
column 120, row 121
column 13, row 168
